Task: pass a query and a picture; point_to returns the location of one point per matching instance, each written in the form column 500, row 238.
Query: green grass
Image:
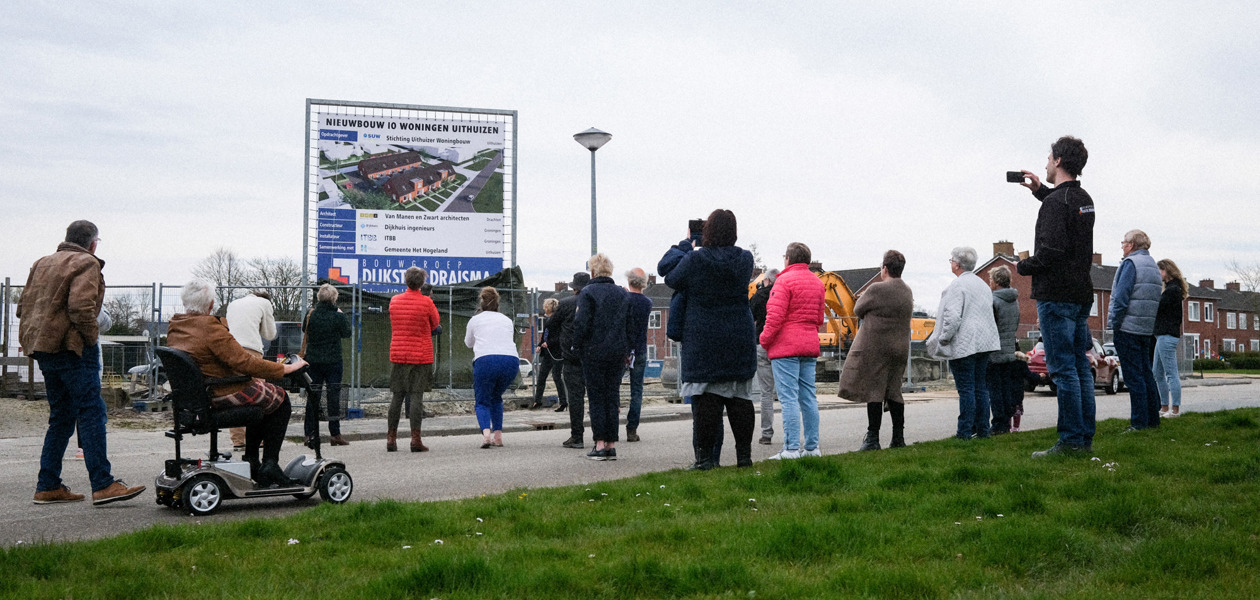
column 1170, row 513
column 490, row 199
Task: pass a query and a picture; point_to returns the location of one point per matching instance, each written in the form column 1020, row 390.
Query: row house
column 1213, row 320
column 381, row 167
column 413, row 183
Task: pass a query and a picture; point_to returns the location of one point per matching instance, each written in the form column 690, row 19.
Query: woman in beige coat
column 877, row 360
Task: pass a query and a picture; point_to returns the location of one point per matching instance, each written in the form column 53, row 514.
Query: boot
column 899, row 439
column 337, row 440
column 743, row 457
column 270, row 474
column 871, row 442
column 416, row 445
column 632, row 435
column 391, row 440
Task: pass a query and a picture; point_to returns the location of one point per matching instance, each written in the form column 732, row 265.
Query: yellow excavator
column 841, row 324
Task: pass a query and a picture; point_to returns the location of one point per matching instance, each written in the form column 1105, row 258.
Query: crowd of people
column 734, row 349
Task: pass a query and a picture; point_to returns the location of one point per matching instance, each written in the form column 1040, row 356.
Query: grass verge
column 1168, row 513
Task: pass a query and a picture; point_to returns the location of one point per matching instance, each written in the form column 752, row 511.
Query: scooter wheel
column 335, row 485
column 202, row 495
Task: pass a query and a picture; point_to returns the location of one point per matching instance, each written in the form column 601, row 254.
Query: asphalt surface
column 455, row 466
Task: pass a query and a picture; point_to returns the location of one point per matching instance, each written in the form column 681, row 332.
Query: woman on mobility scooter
column 206, row 338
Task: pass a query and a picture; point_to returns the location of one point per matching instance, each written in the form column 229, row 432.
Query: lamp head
column 592, row 139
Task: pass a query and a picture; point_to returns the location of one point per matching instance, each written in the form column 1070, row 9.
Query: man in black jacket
column 1063, row 250
column 765, row 374
column 571, row 366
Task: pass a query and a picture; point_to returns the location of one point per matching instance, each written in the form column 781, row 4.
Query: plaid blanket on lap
column 266, row 395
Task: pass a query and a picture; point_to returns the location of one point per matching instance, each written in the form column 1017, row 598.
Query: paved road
column 463, row 198
column 456, row 468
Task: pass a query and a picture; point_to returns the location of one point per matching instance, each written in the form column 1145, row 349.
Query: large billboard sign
column 395, row 191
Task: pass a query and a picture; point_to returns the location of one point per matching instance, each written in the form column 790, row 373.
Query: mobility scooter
column 200, row 485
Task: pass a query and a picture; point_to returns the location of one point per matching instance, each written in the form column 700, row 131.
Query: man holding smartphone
column 1063, row 251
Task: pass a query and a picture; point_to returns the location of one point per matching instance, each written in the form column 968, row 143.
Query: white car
column 527, row 368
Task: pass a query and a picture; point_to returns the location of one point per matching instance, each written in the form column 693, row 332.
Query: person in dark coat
column 325, row 326
column 876, row 365
column 603, row 336
column 719, row 340
column 1167, row 335
column 571, row 368
column 549, row 358
column 1005, row 375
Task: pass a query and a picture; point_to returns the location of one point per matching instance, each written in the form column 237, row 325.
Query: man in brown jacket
column 58, row 309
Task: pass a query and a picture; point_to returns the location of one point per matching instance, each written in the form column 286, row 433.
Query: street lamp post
column 592, row 139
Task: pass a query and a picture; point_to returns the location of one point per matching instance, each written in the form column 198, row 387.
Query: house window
column 1242, row 320
column 1093, row 308
column 1229, row 345
column 1192, row 308
column 651, row 352
column 1207, row 347
column 1231, row 320
column 1255, row 323
column 673, row 349
column 654, row 320
column 1209, row 314
column 1255, row 345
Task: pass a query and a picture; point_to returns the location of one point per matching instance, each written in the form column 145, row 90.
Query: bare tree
column 128, row 313
column 280, row 277
column 1248, row 274
column 758, row 263
column 226, row 270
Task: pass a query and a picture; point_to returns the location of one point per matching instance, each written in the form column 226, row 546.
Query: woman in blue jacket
column 719, row 340
column 602, row 336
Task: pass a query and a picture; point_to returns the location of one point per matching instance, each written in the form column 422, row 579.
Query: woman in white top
column 495, row 364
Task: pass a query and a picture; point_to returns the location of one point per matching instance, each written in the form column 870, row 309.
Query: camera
column 696, row 228
column 1014, row 176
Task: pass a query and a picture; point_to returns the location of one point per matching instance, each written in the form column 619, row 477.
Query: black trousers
column 269, row 433
column 874, row 414
column 548, row 365
column 575, row 385
column 709, row 424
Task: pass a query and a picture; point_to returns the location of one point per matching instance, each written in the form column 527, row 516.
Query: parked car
column 1109, row 349
column 527, row 368
column 1106, row 369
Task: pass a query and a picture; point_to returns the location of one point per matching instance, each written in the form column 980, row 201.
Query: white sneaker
column 814, row 452
column 1163, row 414
column 1172, row 414
column 786, row 455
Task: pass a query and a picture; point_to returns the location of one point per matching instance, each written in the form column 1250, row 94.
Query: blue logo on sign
column 339, row 135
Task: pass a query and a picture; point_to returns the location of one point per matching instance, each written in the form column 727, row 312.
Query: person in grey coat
column 1005, row 376
column 1135, row 296
column 965, row 334
column 876, row 365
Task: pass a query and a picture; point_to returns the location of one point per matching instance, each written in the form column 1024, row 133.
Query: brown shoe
column 116, row 492
column 57, row 496
column 416, row 444
column 632, row 435
column 391, row 440
column 337, row 440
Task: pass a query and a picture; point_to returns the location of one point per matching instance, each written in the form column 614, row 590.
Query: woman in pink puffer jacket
column 793, row 315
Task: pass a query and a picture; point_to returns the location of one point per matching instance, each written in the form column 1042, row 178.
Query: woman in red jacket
column 793, row 315
column 412, row 319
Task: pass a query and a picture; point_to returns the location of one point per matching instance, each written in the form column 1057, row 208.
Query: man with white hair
column 59, row 307
column 207, row 340
column 638, row 313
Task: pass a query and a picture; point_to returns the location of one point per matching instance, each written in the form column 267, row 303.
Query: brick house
column 1213, row 320
column 380, row 167
column 413, row 183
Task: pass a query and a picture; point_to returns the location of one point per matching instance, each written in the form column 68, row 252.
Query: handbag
column 305, row 324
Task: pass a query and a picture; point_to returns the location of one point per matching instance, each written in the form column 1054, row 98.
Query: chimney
column 1023, row 255
column 1003, row 248
column 1207, row 283
column 562, row 286
column 1233, row 285
column 816, row 266
column 1098, row 259
column 652, row 279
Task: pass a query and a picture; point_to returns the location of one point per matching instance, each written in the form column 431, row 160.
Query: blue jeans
column 636, row 393
column 794, row 381
column 73, row 384
column 323, row 375
column 1167, row 377
column 1065, row 333
column 603, row 389
column 492, row 374
column 971, row 380
column 1135, row 360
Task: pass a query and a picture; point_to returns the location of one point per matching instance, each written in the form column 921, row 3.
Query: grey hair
column 1139, row 239
column 327, row 293
column 600, row 265
column 771, row 275
column 965, row 256
column 197, row 296
column 635, row 280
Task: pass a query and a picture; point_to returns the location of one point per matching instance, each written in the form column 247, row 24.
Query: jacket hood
column 1006, row 294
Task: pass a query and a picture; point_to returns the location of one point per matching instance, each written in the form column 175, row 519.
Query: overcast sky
column 855, row 128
